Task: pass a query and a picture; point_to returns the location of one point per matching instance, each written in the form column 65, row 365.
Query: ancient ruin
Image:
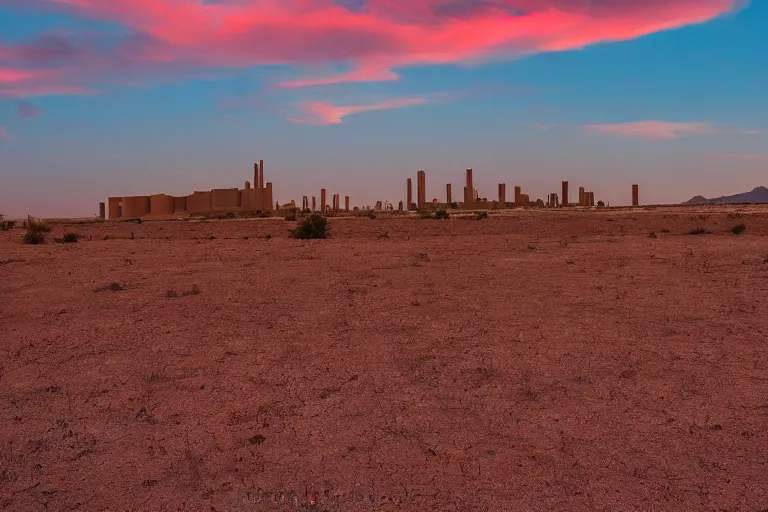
column 258, row 198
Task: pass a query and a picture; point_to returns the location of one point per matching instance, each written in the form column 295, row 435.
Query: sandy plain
column 534, row 361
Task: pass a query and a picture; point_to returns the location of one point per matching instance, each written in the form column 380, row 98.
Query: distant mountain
column 758, row 195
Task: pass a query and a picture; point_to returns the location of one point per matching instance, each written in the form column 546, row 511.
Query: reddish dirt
column 537, row 361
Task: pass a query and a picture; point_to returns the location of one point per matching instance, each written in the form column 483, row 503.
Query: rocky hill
column 758, row 195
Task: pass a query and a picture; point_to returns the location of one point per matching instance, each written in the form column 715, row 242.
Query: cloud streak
column 319, row 113
column 370, row 38
column 653, row 130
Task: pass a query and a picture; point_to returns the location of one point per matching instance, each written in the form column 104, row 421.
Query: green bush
column 738, row 229
column 481, row 215
column 442, row 214
column 313, row 227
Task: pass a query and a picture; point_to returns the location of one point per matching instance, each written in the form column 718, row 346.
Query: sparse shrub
column 69, row 238
column 441, row 214
column 652, row 235
column 738, row 229
column 372, row 215
column 268, row 237
column 306, row 211
column 313, row 227
column 230, row 215
column 699, row 231
column 171, row 294
column 481, row 215
column 6, row 225
column 454, row 205
column 33, row 237
column 600, row 204
column 291, row 217
column 665, row 230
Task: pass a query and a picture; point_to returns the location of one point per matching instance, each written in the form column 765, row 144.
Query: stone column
column 448, row 198
column 102, row 210
column 261, row 173
column 314, row 204
column 409, row 195
column 518, row 195
column 635, row 195
column 256, row 175
column 346, row 203
column 581, row 196
column 469, row 194
column 269, row 195
column 322, row 201
column 565, row 193
column 502, row 195
column 421, row 186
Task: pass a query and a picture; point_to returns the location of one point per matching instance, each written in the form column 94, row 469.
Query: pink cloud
column 327, row 113
column 22, row 83
column 653, row 130
column 372, row 40
column 3, row 133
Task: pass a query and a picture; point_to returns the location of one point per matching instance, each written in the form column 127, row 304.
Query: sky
column 136, row 97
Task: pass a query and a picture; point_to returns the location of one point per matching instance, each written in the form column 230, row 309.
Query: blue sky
column 98, row 102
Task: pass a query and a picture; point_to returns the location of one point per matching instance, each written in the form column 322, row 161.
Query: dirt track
column 539, row 361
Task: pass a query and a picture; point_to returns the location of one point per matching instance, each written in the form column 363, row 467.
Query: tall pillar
column 409, row 195
column 469, row 194
column 581, row 196
column 256, row 175
column 518, row 195
column 565, row 194
column 502, row 195
column 322, row 200
column 346, row 203
column 261, row 173
column 635, row 195
column 421, row 186
column 448, row 198
column 269, row 195
column 314, row 204
column 102, row 210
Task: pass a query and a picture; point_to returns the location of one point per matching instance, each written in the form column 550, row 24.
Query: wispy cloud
column 3, row 132
column 653, row 130
column 371, row 38
column 326, row 113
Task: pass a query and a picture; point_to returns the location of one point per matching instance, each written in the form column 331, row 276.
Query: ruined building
column 251, row 199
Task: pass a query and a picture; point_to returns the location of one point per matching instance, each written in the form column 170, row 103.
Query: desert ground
column 534, row 361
